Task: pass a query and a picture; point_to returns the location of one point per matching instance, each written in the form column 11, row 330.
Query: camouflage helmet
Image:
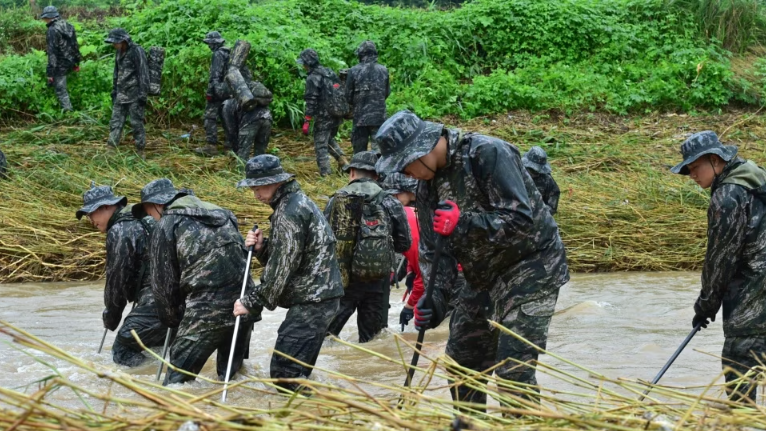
column 700, row 144
column 49, row 12
column 404, row 138
column 397, row 182
column 537, row 160
column 308, row 57
column 96, row 197
column 363, row 160
column 366, row 49
column 213, row 37
column 264, row 170
column 160, row 192
column 117, row 35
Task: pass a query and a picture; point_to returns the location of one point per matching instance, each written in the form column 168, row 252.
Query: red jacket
column 413, row 259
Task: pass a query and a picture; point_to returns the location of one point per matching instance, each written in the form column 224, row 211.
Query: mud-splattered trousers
column 247, row 132
column 120, row 112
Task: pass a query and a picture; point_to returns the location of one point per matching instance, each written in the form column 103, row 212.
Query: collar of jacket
column 454, row 138
column 120, row 213
column 727, row 170
column 285, row 189
column 53, row 21
column 746, row 174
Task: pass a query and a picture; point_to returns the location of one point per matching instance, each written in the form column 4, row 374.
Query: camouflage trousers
column 324, row 143
column 300, row 336
column 213, row 111
column 475, row 345
column 371, row 308
column 126, row 350
column 190, row 351
column 59, row 86
column 740, row 354
column 361, row 135
column 120, row 112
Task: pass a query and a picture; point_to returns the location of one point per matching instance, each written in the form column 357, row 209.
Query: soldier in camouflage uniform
column 367, row 89
column 734, row 273
column 217, row 89
column 325, row 125
column 63, row 53
column 130, row 88
column 536, row 162
column 504, row 237
column 197, row 264
column 300, row 269
column 127, row 273
column 247, row 131
column 370, row 300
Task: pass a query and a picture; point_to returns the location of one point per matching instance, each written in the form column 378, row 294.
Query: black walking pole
column 672, row 359
column 164, row 353
column 101, row 346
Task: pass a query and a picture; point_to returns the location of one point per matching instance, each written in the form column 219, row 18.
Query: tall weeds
column 736, row 24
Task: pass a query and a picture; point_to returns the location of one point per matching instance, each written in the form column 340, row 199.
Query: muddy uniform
column 367, row 88
column 127, row 280
column 247, row 131
column 217, row 90
column 197, row 262
column 548, row 189
column 63, row 55
column 371, row 300
column 130, row 88
column 301, row 274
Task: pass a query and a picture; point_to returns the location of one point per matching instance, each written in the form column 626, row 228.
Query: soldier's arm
column 142, row 69
column 350, row 87
column 312, row 95
column 388, row 84
column 120, row 281
column 78, row 56
column 51, row 36
column 328, row 209
column 400, row 227
column 727, row 221
column 166, row 274
column 553, row 195
column 217, row 86
column 114, row 78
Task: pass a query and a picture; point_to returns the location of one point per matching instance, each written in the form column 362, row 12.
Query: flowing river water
column 623, row 325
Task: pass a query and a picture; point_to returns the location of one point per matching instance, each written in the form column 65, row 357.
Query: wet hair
column 364, row 173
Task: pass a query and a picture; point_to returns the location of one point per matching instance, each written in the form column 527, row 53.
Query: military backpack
column 334, row 95
column 374, row 248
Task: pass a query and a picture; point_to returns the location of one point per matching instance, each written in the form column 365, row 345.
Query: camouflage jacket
column 314, row 97
column 127, row 264
column 734, row 274
column 367, row 89
column 299, row 258
column 400, row 228
column 548, row 188
column 506, row 240
column 216, row 86
column 197, row 265
column 130, row 82
column 63, row 49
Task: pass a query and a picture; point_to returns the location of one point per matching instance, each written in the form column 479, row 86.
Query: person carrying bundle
column 536, row 162
column 63, row 53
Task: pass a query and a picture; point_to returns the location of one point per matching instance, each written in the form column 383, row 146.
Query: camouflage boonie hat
column 699, row 144
column 96, row 197
column 264, row 170
column 309, row 57
column 404, row 138
column 213, row 37
column 366, row 48
column 364, row 160
column 537, row 160
column 160, row 192
column 49, row 12
column 399, row 183
column 117, row 35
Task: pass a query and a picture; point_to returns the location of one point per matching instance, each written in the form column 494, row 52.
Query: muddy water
column 622, row 325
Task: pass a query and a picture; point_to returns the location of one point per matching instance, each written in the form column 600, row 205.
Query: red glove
column 76, row 68
column 50, row 80
column 305, row 127
column 208, row 97
column 445, row 220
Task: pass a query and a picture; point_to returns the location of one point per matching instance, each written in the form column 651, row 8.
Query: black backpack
column 334, row 94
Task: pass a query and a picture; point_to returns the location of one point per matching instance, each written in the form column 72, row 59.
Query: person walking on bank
column 217, row 89
column 367, row 89
column 498, row 229
column 63, row 53
column 320, row 82
column 248, row 131
column 127, row 273
column 197, row 261
column 130, row 88
column 536, row 162
column 383, row 232
column 300, row 269
column 734, row 273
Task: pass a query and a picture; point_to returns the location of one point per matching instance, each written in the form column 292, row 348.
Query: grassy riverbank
column 620, row 207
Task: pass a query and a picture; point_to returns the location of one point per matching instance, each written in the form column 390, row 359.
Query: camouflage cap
column 364, row 160
column 263, row 170
column 309, row 57
column 160, row 192
column 213, row 37
column 699, row 144
column 117, row 35
column 537, row 160
column 397, row 183
column 96, row 197
column 49, row 12
column 366, row 48
column 404, row 138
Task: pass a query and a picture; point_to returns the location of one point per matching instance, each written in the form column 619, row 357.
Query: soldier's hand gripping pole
column 672, row 359
column 236, row 322
column 164, row 352
column 103, row 337
column 397, row 270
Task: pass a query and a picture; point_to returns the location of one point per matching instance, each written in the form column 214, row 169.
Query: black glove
column 698, row 318
column 111, row 320
column 409, row 282
column 405, row 316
